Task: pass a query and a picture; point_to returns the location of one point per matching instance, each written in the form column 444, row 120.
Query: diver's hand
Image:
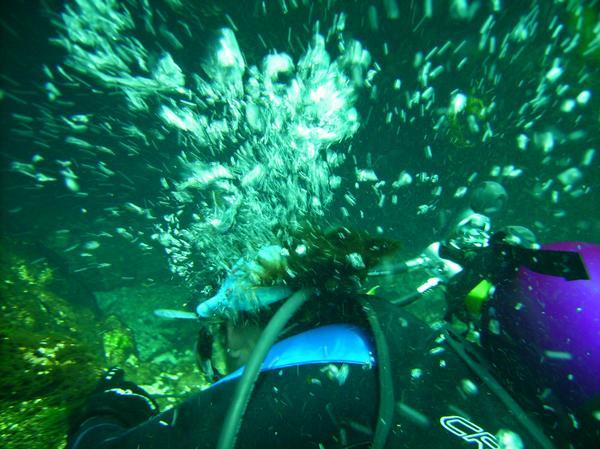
column 119, row 399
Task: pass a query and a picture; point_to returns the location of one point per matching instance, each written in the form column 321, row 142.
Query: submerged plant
column 50, row 354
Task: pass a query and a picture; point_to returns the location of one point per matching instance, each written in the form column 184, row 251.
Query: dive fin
column 566, row 264
column 175, row 314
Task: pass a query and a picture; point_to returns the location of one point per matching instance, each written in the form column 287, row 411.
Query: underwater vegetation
column 51, row 357
column 53, row 350
column 118, row 341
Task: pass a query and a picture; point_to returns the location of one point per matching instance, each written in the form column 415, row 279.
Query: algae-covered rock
column 55, row 344
column 20, row 421
column 118, row 342
column 50, row 353
column 134, row 307
column 161, row 359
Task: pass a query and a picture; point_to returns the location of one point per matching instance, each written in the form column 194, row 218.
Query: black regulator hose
column 243, row 391
column 386, row 386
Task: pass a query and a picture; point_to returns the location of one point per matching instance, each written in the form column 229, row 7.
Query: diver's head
column 226, row 342
column 239, row 339
column 551, row 326
column 224, row 345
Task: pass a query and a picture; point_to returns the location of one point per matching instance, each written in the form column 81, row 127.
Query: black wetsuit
column 440, row 401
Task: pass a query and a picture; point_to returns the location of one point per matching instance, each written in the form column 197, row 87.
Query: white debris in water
column 412, row 414
column 296, row 112
column 510, row 171
column 364, row 175
column 428, row 8
column 134, row 208
column 460, row 192
column 124, row 233
column 584, row 97
column 373, row 17
column 463, row 9
column 424, row 208
column 350, row 199
column 458, row 103
column 507, row 439
column 70, row 179
column 356, row 261
column 494, row 327
column 40, row 177
column 339, row 375
column 555, row 72
column 522, row 141
column 427, row 93
column 568, row 105
column 276, row 64
column 91, row 245
column 226, row 64
column 469, row 387
column 403, row 180
column 437, row 350
column 588, row 157
column 473, row 124
column 545, row 141
column 558, row 355
column 182, row 119
column 300, row 250
column 570, row 176
column 428, row 153
column 391, row 9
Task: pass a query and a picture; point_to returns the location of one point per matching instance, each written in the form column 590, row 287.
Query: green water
column 147, row 145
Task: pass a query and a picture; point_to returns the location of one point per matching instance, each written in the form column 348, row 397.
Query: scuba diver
column 535, row 312
column 364, row 372
column 327, row 367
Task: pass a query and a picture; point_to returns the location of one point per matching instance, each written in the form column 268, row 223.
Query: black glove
column 117, row 399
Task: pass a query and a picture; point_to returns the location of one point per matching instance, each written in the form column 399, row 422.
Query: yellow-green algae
column 118, row 343
column 54, row 345
column 49, row 351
